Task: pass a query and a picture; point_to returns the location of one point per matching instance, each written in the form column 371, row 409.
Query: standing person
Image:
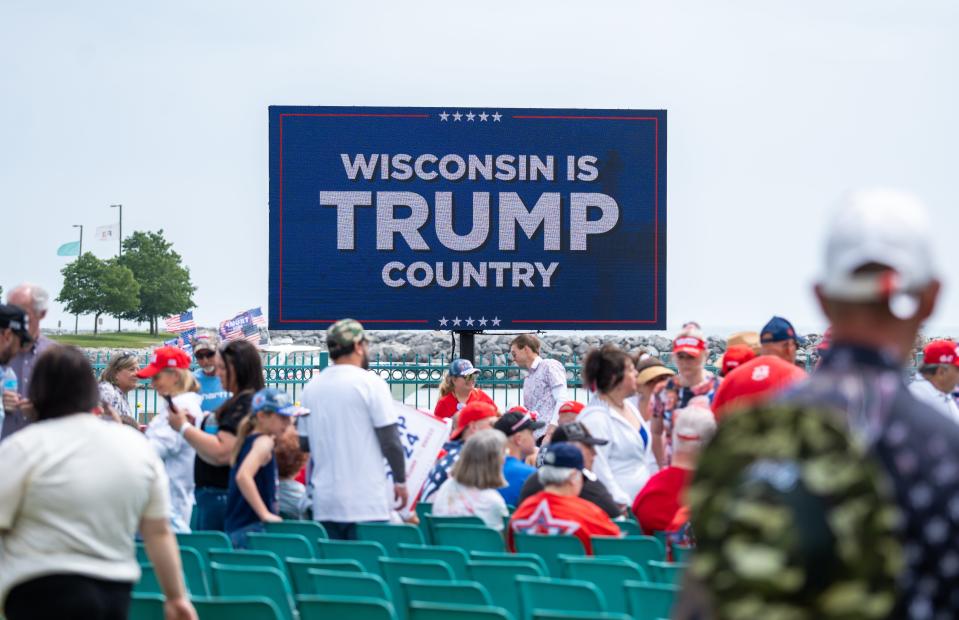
column 241, row 372
column 34, row 301
column 13, row 337
column 877, row 287
column 779, row 338
column 170, row 371
column 544, row 388
column 117, row 380
column 351, row 429
column 211, row 388
column 74, row 492
column 458, row 389
column 658, row 502
column 475, row 417
column 474, row 481
column 558, row 508
column 519, row 427
column 621, row 463
column 254, row 479
column 650, row 381
column 689, row 352
column 938, row 376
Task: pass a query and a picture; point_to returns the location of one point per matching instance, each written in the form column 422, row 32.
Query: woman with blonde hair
column 472, row 486
column 117, row 380
column 176, row 386
column 458, row 389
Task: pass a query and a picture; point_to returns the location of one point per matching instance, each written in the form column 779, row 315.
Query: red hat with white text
column 941, row 352
column 163, row 358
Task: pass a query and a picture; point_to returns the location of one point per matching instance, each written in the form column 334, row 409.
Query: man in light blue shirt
column 204, row 350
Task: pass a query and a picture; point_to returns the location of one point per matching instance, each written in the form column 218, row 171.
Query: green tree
column 165, row 286
column 94, row 286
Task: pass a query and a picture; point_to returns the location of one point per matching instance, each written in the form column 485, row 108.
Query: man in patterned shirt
column 544, row 388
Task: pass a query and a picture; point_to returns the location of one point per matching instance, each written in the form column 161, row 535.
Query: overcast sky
column 775, row 108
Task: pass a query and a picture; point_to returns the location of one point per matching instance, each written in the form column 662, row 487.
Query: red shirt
column 656, row 504
column 447, row 406
column 547, row 513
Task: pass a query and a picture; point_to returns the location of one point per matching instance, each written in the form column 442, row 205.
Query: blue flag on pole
column 69, row 249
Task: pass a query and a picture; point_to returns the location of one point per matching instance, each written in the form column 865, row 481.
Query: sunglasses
column 204, row 354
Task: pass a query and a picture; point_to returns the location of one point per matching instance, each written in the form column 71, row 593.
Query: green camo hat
column 793, row 520
column 345, row 332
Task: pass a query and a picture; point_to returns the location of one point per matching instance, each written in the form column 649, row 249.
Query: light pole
column 76, row 317
column 120, row 248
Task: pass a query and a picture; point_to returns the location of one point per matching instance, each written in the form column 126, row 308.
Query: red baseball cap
column 163, row 358
column 571, row 406
column 471, row 413
column 753, row 382
column 735, row 356
column 941, row 352
column 691, row 345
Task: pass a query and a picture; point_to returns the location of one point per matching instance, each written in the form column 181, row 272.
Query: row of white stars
column 483, row 116
column 482, row 321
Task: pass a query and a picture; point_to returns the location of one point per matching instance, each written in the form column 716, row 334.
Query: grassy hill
column 113, row 340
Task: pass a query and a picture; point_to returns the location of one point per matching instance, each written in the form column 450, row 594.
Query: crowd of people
column 767, row 471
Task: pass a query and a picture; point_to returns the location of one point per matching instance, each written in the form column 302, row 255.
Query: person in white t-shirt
column 172, row 378
column 938, row 377
column 472, row 486
column 73, row 493
column 351, row 428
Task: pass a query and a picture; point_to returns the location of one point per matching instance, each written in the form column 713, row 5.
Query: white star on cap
column 496, row 321
column 497, row 116
column 444, row 115
column 443, row 321
column 456, row 321
column 457, row 116
column 483, row 116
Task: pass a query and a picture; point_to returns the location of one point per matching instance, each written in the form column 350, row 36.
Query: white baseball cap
column 885, row 227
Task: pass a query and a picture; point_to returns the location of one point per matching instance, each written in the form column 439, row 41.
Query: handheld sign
column 422, row 436
column 467, row 218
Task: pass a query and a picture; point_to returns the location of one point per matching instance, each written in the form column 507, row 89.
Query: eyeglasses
column 469, row 378
column 204, row 354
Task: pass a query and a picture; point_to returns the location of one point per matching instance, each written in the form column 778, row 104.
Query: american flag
column 230, row 330
column 251, row 333
column 180, row 322
column 257, row 316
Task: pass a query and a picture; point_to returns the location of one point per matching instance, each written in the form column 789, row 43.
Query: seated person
column 518, row 425
column 558, row 509
column 593, row 490
column 660, row 499
column 472, row 486
column 473, row 418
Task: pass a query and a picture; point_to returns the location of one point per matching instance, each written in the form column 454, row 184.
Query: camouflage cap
column 793, row 520
column 344, row 333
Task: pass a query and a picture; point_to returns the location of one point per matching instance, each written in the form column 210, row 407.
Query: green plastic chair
column 433, row 520
column 148, row 583
column 235, row 608
column 549, row 594
column 203, row 541
column 499, row 578
column 394, row 568
column 455, row 557
column 311, row 530
column 447, row 611
column 629, row 527
column 246, row 557
column 682, row 554
column 606, row 574
column 338, row 583
column 549, row 548
column 390, row 535
column 261, row 580
column 540, row 614
column 650, row 601
column 299, row 571
column 283, row 545
column 421, row 511
column 468, row 537
column 142, row 556
column 666, row 572
column 195, row 572
column 314, row 607
column 446, row 592
column 366, row 552
column 639, row 549
column 146, row 606
column 504, row 556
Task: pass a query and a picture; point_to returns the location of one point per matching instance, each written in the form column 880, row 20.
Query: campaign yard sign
column 422, row 436
column 463, row 218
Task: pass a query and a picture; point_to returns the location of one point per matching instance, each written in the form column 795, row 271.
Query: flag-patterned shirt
column 441, row 470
